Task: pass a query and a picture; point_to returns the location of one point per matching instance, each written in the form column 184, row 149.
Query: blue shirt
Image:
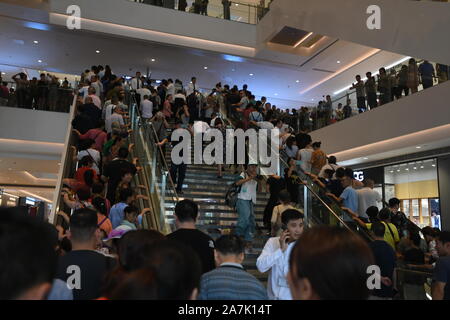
column 350, row 197
column 442, row 274
column 426, row 70
column 116, row 214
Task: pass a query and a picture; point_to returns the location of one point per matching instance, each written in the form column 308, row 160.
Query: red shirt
column 99, row 136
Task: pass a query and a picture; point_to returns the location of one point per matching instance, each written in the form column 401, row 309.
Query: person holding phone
column 275, row 255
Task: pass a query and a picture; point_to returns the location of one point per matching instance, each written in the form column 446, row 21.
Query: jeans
column 372, row 99
column 246, row 219
column 180, row 171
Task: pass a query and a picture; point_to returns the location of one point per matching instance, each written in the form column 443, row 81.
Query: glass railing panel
column 155, row 171
column 231, row 10
column 51, row 97
column 413, row 283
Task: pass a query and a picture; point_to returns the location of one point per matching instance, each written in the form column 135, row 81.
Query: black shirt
column 275, row 186
column 200, row 242
column 83, row 123
column 92, row 111
column 93, row 269
column 385, row 259
column 114, row 171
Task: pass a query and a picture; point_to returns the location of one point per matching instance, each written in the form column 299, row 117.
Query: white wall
column 413, row 28
column 33, row 125
column 240, row 37
column 410, row 116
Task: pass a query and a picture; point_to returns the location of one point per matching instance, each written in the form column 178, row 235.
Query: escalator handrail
column 154, row 139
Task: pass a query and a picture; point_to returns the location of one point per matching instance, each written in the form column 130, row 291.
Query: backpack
column 232, row 195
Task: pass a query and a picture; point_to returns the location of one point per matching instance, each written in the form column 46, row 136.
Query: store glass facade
column 415, row 184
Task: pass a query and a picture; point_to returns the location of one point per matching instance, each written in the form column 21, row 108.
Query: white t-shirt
column 248, row 189
column 108, row 113
column 94, row 154
column 305, row 158
column 330, row 166
column 170, row 89
column 147, row 109
column 265, row 125
column 115, row 117
column 367, row 197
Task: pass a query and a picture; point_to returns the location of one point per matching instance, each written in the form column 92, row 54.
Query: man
column 91, row 110
column 144, row 91
column 426, row 71
column 275, row 255
column 97, row 85
column 186, row 213
column 177, row 171
column 83, row 267
column 192, row 87
column 246, row 201
column 146, row 108
column 113, row 171
column 391, row 232
column 441, row 288
column 230, row 281
column 115, row 122
column 328, row 109
column 360, row 94
column 385, row 259
column 136, row 84
column 27, row 256
column 367, row 197
column 170, row 87
column 241, row 105
column 371, row 90
column 347, row 110
column 398, row 218
column 94, row 98
column 349, row 197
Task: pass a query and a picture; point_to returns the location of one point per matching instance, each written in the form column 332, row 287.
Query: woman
column 304, row 158
column 318, row 158
column 413, row 75
column 329, row 263
column 125, row 183
column 84, row 177
column 167, row 107
column 103, row 221
column 291, row 147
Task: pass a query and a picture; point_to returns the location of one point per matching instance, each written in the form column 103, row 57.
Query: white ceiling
column 72, row 52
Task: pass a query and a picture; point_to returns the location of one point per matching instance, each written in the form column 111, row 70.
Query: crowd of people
column 201, row 6
column 48, row 93
column 102, row 251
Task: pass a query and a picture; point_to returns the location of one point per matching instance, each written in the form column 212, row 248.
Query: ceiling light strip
column 303, row 39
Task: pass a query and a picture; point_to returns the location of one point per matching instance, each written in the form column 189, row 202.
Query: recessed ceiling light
column 312, row 99
column 3, row 73
column 415, row 168
column 40, row 61
column 276, row 94
column 236, row 4
column 418, row 147
column 421, row 167
column 297, row 81
column 153, row 60
column 97, row 51
column 338, row 61
column 433, row 165
column 365, row 158
column 407, row 169
column 206, row 68
column 251, row 74
column 35, row 42
column 232, row 70
column 398, row 170
column 392, row 171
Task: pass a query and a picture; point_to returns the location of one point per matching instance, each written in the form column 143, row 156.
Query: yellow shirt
column 390, row 237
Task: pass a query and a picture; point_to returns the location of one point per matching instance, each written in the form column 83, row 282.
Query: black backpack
column 232, row 195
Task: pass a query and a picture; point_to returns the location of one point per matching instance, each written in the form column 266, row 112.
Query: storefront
column 414, row 183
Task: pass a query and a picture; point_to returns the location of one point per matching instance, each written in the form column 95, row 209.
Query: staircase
column 215, row 217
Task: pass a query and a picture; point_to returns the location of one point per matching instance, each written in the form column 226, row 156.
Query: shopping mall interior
column 93, row 92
